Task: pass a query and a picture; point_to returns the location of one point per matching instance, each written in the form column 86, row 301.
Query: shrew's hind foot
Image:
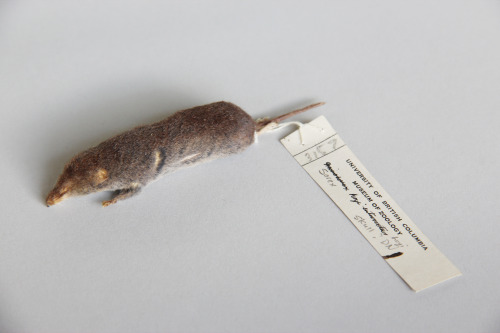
column 122, row 194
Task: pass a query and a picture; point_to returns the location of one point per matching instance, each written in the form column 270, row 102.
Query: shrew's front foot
column 122, row 194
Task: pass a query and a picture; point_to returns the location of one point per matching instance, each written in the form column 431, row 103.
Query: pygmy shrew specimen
column 127, row 162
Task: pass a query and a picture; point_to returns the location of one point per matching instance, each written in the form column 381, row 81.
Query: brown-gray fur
column 128, row 161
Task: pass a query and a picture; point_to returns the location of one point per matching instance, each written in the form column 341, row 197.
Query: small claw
column 108, row 202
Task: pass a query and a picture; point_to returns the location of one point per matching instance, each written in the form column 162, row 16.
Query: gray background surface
column 248, row 243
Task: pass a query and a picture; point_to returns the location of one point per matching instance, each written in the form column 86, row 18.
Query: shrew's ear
column 100, row 176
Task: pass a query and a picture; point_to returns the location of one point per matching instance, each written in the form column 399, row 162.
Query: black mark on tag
column 394, row 255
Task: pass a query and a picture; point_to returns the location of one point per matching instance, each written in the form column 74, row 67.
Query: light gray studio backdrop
column 248, row 243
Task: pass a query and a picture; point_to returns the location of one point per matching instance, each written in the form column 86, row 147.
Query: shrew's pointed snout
column 54, row 198
column 57, row 195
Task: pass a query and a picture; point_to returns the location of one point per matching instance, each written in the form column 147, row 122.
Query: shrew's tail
column 263, row 125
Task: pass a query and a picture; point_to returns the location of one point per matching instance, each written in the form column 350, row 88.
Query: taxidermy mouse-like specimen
column 127, row 162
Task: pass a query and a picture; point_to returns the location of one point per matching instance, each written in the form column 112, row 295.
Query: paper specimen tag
column 333, row 166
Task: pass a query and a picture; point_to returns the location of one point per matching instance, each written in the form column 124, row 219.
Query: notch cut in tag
column 334, row 167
